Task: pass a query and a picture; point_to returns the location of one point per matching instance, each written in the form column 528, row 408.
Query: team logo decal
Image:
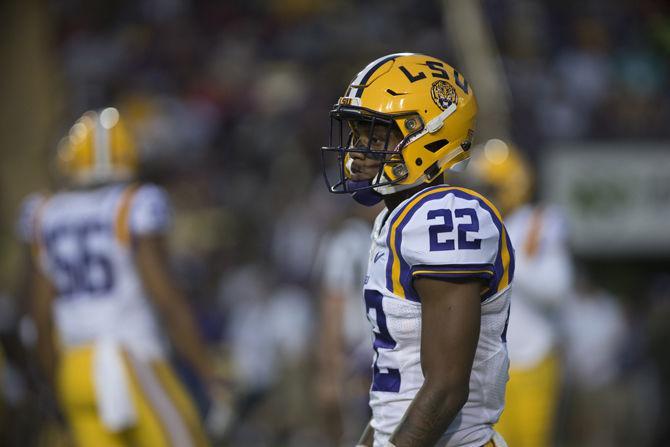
column 443, row 94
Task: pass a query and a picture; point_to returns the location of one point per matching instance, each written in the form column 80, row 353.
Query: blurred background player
column 344, row 357
column 268, row 336
column 543, row 281
column 597, row 401
column 101, row 292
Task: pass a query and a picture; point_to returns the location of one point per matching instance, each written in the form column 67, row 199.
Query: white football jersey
column 441, row 232
column 544, row 277
column 344, row 257
column 83, row 243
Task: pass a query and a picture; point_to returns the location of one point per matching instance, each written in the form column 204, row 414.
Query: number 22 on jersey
column 448, row 226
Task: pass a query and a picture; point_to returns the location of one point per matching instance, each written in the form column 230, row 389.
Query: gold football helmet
column 425, row 99
column 501, row 169
column 97, row 149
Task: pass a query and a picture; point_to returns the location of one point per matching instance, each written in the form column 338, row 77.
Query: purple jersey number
column 77, row 266
column 383, row 379
column 434, row 231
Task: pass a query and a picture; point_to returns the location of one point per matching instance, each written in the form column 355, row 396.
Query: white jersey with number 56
column 83, row 243
column 449, row 233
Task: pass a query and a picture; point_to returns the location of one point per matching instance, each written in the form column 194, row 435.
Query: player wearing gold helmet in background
column 101, row 295
column 543, row 281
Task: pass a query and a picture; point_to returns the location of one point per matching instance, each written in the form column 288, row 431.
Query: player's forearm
column 331, row 354
column 46, row 353
column 367, row 438
column 185, row 337
column 45, row 347
column 151, row 256
column 40, row 298
column 434, row 407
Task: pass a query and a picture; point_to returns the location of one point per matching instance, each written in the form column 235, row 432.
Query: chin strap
column 367, row 197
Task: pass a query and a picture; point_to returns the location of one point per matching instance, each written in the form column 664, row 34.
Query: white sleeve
column 345, row 257
column 150, row 211
column 450, row 233
column 25, row 226
column 547, row 276
column 336, row 259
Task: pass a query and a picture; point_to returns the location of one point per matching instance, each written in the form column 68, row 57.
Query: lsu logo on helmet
column 443, row 94
column 98, row 149
column 422, row 97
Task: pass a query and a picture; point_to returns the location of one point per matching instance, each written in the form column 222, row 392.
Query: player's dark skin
column 450, row 321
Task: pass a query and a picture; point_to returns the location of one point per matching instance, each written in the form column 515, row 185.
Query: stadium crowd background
column 230, row 103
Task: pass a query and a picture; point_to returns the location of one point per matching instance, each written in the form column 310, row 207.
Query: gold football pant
column 165, row 414
column 530, row 405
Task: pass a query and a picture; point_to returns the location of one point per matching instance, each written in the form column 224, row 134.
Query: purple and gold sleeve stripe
column 485, row 272
column 482, row 271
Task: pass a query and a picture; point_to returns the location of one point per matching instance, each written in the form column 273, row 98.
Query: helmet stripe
column 101, row 141
column 367, row 73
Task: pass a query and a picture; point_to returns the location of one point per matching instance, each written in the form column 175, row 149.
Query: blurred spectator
column 344, row 341
column 595, row 333
column 13, row 390
column 658, row 333
column 270, row 325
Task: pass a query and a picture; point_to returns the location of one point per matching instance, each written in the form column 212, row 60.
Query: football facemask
column 372, row 135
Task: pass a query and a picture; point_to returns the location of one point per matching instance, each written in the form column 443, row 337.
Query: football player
column 344, row 357
column 543, row 282
column 437, row 289
column 101, row 295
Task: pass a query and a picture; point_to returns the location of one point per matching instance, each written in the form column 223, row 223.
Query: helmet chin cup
column 366, row 197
